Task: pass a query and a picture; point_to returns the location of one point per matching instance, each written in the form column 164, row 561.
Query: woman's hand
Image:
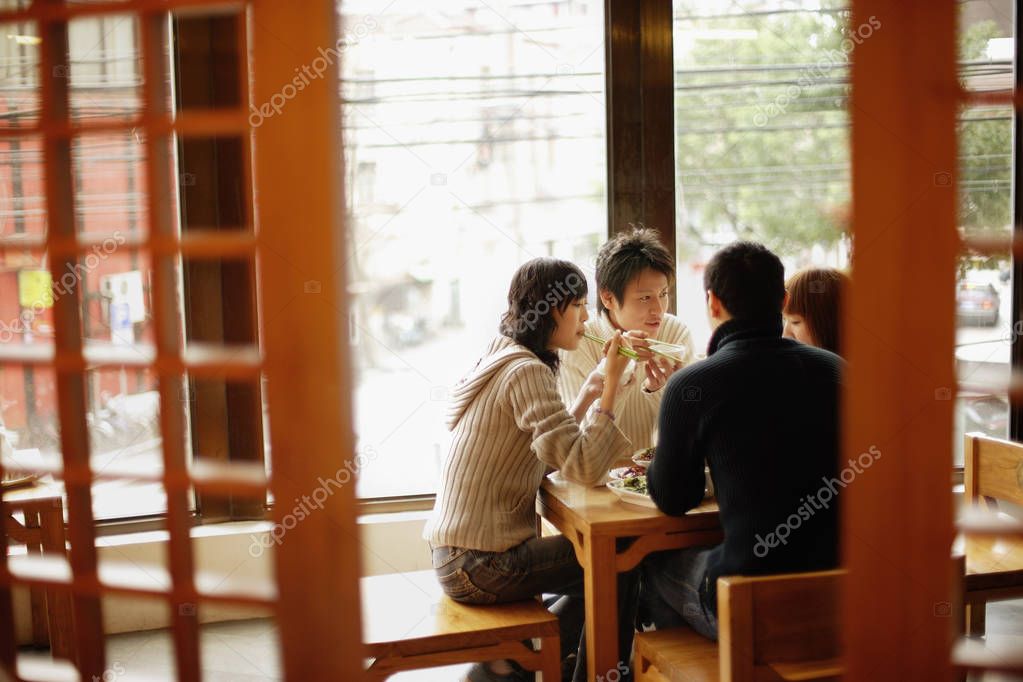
column 614, row 362
column 591, row 389
column 614, row 366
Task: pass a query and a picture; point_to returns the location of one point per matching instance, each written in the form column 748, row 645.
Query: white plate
column 629, row 496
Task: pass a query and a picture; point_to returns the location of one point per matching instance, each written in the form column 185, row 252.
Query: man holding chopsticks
column 634, row 273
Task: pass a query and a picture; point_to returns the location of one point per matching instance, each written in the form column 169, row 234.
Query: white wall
column 391, row 543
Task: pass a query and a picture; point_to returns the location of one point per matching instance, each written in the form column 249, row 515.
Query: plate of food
column 621, row 473
column 632, row 490
column 643, row 457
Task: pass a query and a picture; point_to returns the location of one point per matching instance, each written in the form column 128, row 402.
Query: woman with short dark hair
column 510, row 429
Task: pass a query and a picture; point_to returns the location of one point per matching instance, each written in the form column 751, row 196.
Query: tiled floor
column 1005, row 631
column 247, row 651
column 239, row 651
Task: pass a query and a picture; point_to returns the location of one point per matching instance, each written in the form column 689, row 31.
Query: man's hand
column 638, row 340
column 658, row 371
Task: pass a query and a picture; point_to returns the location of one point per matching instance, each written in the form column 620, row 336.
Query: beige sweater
column 511, row 428
column 635, row 410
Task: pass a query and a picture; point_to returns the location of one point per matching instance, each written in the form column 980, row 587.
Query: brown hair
column 625, row 256
column 538, row 288
column 816, row 294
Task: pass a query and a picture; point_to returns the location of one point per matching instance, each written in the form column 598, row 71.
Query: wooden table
column 593, row 519
column 41, row 530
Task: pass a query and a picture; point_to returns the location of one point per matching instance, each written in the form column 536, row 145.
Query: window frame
column 639, row 87
column 219, row 296
column 1016, row 351
column 225, row 313
column 639, row 82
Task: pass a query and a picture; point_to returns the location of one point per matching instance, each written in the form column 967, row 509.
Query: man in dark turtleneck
column 762, row 411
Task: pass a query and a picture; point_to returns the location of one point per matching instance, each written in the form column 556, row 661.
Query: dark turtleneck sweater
column 763, row 411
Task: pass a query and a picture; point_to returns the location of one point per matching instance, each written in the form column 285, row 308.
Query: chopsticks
column 622, row 350
column 629, row 353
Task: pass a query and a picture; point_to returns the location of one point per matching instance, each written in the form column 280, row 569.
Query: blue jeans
column 536, row 566
column 670, row 591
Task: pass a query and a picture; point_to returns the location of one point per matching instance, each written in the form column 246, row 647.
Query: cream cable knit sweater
column 510, row 429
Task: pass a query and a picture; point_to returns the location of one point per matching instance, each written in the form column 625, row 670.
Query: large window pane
column 984, row 291
column 762, row 134
column 112, row 277
column 762, row 137
column 474, row 141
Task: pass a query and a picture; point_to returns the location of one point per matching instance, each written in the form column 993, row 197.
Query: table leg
column 58, row 602
column 601, row 588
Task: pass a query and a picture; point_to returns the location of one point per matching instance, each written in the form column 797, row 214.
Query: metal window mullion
column 169, row 346
column 68, row 362
column 1016, row 349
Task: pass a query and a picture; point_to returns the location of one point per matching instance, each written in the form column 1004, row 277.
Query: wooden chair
column 41, row 530
column 409, row 624
column 994, row 566
column 778, row 627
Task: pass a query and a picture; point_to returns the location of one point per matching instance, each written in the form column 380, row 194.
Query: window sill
column 390, row 505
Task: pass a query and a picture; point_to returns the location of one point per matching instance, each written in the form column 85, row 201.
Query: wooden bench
column 409, row 624
column 994, row 565
column 779, row 627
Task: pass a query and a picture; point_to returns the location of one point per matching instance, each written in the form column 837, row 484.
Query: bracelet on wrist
column 607, row 413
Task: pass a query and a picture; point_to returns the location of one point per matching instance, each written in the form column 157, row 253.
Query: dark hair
column 748, row 279
column 625, row 256
column 816, row 294
column 537, row 287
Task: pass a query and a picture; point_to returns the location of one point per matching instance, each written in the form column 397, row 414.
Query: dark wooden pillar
column 640, row 117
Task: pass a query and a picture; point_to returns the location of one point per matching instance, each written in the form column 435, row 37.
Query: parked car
column 977, row 303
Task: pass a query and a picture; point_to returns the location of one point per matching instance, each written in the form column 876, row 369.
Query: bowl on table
column 642, row 458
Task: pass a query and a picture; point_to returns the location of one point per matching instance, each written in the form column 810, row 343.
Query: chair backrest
column 993, row 470
column 765, row 621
